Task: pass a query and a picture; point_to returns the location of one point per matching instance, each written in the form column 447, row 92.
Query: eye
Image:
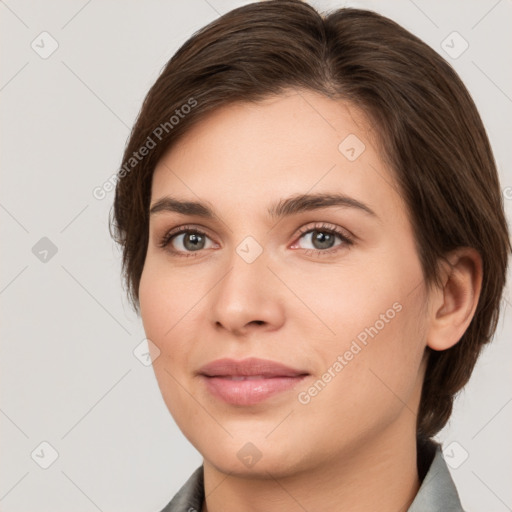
column 185, row 241
column 189, row 241
column 322, row 239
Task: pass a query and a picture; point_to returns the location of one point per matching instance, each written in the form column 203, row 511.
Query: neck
column 380, row 475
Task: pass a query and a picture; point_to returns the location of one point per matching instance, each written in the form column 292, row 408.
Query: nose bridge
column 247, row 292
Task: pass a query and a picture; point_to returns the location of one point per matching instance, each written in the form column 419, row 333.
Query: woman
column 313, row 233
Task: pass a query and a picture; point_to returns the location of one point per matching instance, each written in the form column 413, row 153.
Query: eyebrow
column 283, row 208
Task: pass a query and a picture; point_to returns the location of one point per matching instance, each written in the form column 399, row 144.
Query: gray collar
column 437, row 492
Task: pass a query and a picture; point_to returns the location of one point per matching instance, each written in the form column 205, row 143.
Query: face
column 328, row 292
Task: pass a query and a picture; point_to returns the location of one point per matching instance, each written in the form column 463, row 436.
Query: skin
column 353, row 446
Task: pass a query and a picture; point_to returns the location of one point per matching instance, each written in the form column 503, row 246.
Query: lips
column 250, row 367
column 249, row 381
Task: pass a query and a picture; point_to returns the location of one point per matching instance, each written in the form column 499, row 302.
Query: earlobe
column 454, row 306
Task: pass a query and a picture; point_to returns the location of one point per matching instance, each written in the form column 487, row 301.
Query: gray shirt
column 437, row 492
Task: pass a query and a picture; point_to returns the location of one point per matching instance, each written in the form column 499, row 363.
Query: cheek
column 163, row 307
column 376, row 318
column 349, row 301
column 165, row 299
column 153, row 306
column 363, row 387
column 381, row 356
column 171, row 306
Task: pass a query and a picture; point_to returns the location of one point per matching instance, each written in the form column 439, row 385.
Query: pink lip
column 249, row 381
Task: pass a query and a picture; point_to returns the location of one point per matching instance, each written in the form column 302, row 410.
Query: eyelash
column 346, row 240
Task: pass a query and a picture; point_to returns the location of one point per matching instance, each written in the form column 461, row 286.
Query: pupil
column 324, row 239
column 192, row 241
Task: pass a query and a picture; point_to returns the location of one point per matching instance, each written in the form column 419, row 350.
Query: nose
column 248, row 298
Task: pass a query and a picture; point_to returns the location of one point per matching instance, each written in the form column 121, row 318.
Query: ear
column 452, row 307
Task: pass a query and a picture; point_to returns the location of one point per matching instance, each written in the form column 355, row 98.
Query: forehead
column 297, row 142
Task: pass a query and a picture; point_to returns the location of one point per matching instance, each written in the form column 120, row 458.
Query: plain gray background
column 69, row 374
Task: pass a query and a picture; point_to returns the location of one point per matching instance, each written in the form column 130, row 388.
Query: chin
column 268, row 466
column 249, row 455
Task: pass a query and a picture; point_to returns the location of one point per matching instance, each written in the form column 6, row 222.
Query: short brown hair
column 430, row 134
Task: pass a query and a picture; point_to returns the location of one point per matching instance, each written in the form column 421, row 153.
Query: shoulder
column 190, row 497
column 437, row 492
